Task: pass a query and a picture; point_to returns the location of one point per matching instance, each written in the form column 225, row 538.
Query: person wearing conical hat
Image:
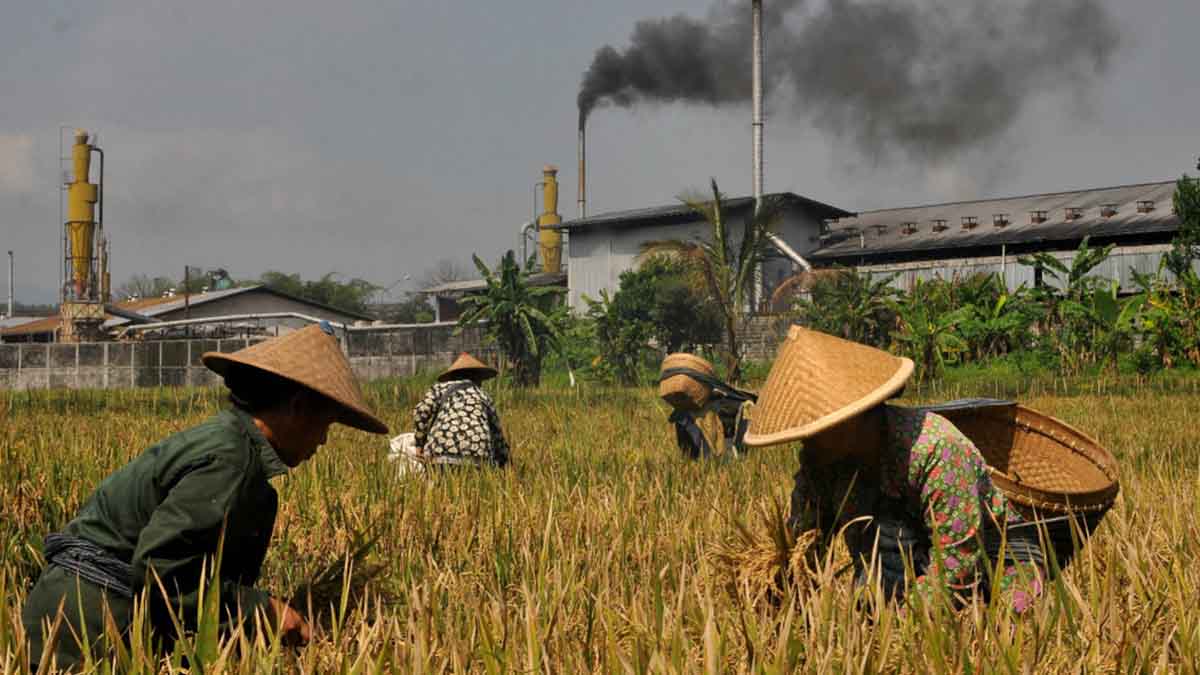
column 155, row 525
column 932, row 507
column 708, row 415
column 456, row 421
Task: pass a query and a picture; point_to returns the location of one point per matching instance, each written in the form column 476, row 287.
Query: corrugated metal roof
column 151, row 307
column 1104, row 212
column 683, row 213
column 13, row 321
column 470, row 285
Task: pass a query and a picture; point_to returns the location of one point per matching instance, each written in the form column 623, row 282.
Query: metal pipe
column 10, row 284
column 789, row 252
column 757, row 126
column 582, row 171
column 525, row 227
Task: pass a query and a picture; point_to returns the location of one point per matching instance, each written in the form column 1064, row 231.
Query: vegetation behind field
column 594, row 552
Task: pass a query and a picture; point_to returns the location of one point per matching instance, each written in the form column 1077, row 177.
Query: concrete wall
column 373, row 354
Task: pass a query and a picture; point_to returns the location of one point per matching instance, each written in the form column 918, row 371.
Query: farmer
column 708, row 414
column 931, row 503
column 456, row 423
column 155, row 524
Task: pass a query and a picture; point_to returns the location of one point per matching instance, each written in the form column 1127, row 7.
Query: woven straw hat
column 310, row 357
column 818, row 381
column 681, row 391
column 467, row 366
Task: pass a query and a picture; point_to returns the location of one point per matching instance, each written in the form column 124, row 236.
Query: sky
column 372, row 139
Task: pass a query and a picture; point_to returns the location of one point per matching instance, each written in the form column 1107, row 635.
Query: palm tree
column 518, row 317
column 724, row 264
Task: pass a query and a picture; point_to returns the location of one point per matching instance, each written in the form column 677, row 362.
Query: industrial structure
column 85, row 283
column 958, row 239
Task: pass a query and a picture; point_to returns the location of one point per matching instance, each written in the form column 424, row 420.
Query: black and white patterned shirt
column 457, row 421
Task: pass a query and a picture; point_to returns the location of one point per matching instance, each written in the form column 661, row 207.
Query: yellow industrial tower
column 85, row 288
column 549, row 235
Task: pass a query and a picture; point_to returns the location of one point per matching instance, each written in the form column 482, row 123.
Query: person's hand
column 292, row 627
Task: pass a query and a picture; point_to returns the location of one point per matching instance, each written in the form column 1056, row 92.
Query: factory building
column 603, row 246
column 252, row 310
column 958, row 239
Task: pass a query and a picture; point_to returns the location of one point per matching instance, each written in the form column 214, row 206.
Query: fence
column 374, row 353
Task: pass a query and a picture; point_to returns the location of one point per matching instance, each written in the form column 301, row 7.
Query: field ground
column 594, row 552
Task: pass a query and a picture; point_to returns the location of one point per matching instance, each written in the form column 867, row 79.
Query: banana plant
column 927, row 336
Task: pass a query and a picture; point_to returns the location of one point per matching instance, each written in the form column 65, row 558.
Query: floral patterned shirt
column 934, row 475
column 457, row 420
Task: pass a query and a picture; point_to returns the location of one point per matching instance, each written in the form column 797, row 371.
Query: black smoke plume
column 926, row 77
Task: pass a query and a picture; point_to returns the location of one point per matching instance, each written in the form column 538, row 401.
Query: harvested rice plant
column 602, row 550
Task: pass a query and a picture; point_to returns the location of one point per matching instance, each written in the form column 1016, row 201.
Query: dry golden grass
column 602, row 550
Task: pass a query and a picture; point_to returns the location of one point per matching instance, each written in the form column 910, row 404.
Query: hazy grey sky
column 373, row 138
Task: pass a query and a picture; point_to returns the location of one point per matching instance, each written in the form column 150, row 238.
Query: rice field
column 602, row 550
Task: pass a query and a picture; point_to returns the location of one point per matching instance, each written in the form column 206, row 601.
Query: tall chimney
column 10, row 284
column 757, row 124
column 582, row 171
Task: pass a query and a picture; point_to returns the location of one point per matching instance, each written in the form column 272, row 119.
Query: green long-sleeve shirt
column 165, row 512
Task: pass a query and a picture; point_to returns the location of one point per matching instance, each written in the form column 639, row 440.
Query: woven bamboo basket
column 1047, row 469
column 683, row 392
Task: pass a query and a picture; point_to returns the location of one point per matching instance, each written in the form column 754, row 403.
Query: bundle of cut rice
column 766, row 562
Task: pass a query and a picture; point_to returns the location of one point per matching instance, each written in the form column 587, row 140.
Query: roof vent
column 1074, row 213
column 1108, row 210
column 1145, row 206
column 1000, row 219
column 908, row 228
column 969, row 222
column 1037, row 217
column 939, row 225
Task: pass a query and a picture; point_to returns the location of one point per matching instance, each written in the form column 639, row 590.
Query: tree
column 655, row 306
column 443, row 271
column 847, row 303
column 519, row 316
column 925, row 333
column 415, row 308
column 726, row 262
column 1185, row 248
column 351, row 296
column 145, row 286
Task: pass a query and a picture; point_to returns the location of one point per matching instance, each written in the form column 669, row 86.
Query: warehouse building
column 958, row 239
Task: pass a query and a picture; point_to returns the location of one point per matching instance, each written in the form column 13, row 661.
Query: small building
column 959, row 239
column 245, row 310
column 603, row 246
column 446, row 297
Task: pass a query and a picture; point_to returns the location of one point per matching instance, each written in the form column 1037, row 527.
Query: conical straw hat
column 818, row 381
column 310, row 357
column 681, row 391
column 466, row 366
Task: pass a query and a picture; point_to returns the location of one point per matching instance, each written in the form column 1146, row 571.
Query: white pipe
column 525, row 227
column 790, row 252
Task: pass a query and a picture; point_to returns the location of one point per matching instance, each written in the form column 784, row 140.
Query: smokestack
column 10, row 284
column 582, row 168
column 756, row 98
